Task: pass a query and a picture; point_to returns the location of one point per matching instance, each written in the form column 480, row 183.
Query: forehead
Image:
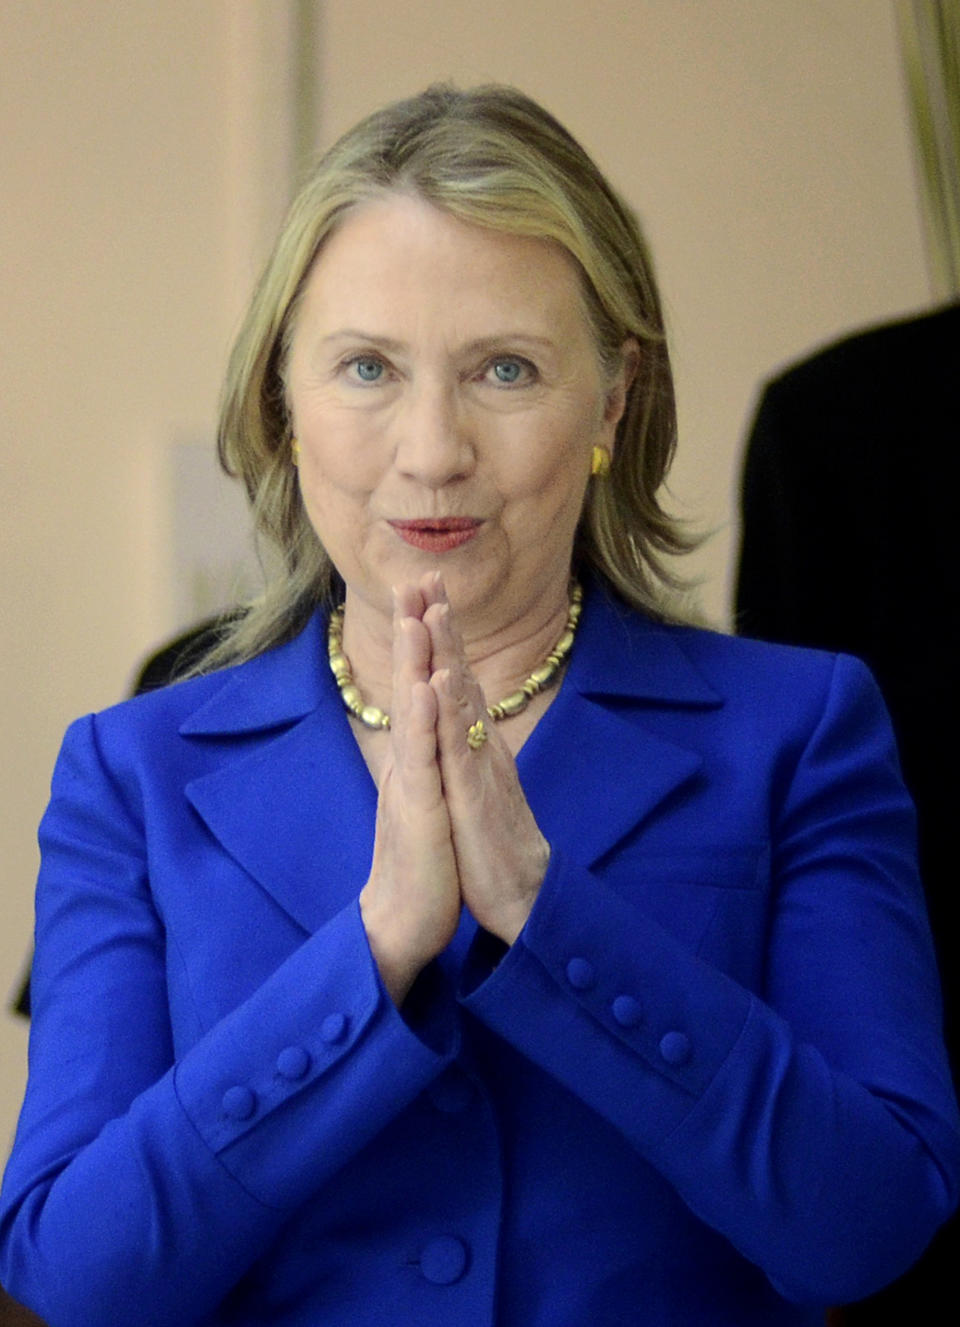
column 399, row 255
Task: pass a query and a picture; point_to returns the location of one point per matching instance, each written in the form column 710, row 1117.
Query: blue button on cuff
column 444, row 1260
column 675, row 1048
column 239, row 1103
column 627, row 1011
column 581, row 974
column 334, row 1027
column 293, row 1063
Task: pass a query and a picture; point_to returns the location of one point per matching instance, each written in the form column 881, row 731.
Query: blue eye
column 509, row 372
column 368, row 369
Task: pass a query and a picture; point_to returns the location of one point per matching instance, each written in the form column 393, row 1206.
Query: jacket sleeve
column 141, row 1188
column 811, row 1122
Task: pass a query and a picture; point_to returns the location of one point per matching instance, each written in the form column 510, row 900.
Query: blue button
column 452, row 1093
column 444, row 1260
column 627, row 1011
column 239, row 1102
column 293, row 1063
column 334, row 1027
column 580, row 974
column 675, row 1048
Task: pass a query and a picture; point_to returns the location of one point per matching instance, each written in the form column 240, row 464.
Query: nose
column 433, row 442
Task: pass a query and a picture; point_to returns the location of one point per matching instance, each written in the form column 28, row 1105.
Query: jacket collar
column 296, row 806
column 621, row 652
column 273, row 689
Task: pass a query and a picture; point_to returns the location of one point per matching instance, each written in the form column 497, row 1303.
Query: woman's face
column 446, row 394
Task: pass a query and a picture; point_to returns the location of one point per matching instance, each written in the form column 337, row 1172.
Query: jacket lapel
column 595, row 766
column 292, row 802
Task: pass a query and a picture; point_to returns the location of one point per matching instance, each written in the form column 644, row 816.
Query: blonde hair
column 492, row 156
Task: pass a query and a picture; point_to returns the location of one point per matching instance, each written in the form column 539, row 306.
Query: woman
column 420, row 988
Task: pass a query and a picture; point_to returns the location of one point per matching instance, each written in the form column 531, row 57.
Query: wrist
column 399, row 958
column 512, row 913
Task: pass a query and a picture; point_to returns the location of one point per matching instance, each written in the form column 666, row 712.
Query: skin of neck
column 501, row 655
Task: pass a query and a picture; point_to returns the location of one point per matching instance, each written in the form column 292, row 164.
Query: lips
column 437, row 534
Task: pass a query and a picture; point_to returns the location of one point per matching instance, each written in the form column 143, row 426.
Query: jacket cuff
column 299, row 1078
column 603, row 999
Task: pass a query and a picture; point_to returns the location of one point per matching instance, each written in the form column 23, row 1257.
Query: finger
column 408, row 601
column 410, row 904
column 418, row 756
column 459, row 707
column 448, row 654
column 411, row 664
column 432, row 589
column 501, row 854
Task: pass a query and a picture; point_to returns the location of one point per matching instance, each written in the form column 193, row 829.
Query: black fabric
column 849, row 542
column 180, row 655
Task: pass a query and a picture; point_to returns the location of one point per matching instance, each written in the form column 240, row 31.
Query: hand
column 501, row 855
column 411, row 903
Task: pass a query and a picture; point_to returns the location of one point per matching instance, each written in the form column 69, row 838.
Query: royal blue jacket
column 705, row 1085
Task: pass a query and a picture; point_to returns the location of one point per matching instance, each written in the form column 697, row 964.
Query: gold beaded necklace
column 539, row 680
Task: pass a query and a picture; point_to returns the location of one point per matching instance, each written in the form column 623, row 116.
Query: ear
column 615, row 401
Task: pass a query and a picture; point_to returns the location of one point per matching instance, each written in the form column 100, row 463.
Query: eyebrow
column 473, row 347
column 357, row 334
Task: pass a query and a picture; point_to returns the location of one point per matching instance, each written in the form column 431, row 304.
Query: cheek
column 337, row 455
column 330, row 498
column 551, row 467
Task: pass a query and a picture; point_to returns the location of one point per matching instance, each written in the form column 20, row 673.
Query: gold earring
column 600, row 462
column 295, row 451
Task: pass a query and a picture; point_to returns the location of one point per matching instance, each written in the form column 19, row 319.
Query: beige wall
column 147, row 151
column 146, row 159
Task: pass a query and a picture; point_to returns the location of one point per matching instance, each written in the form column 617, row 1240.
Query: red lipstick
column 437, row 534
